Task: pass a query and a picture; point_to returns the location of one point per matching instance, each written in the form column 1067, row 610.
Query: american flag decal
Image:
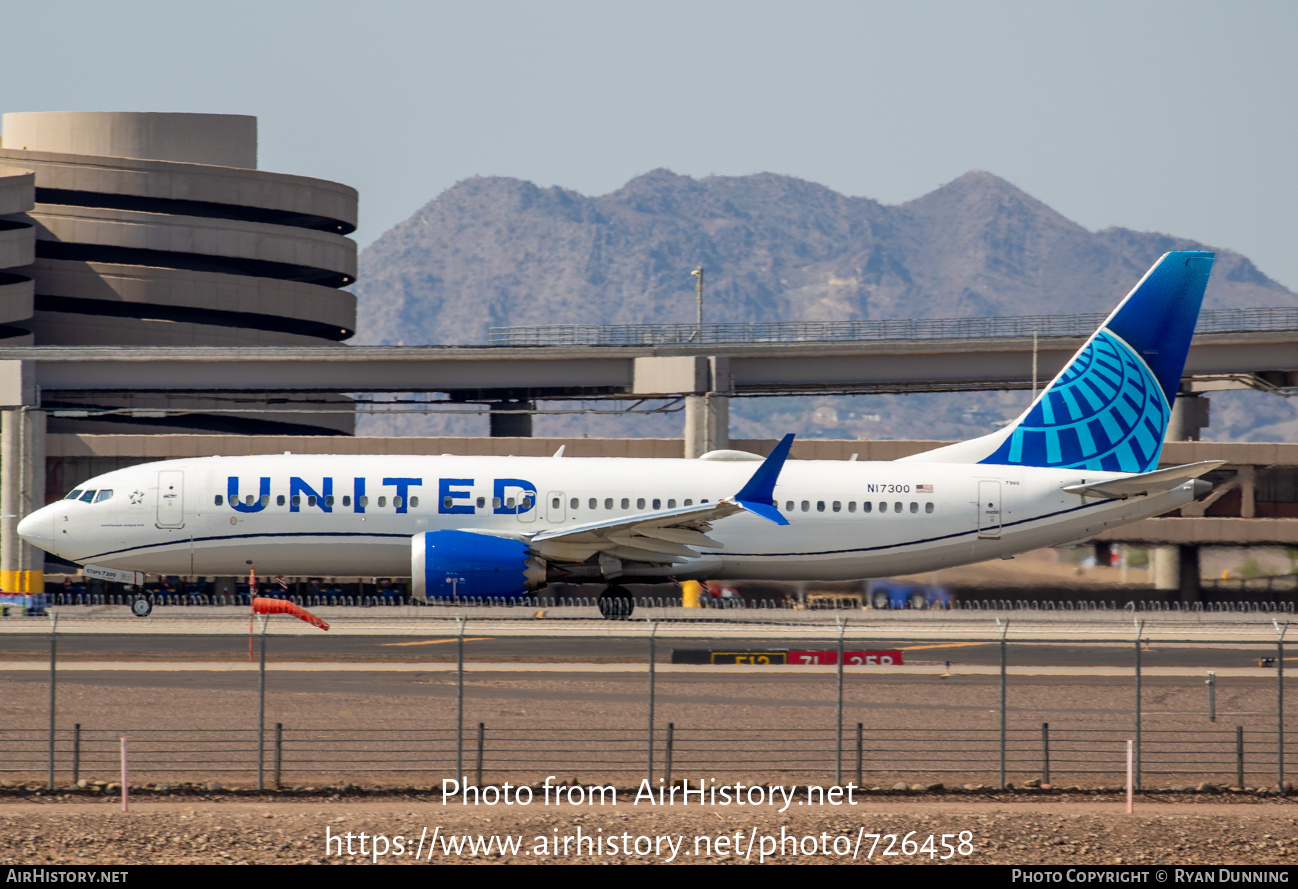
column 923, row 489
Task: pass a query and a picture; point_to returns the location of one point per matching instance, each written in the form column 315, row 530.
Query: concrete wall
column 227, row 140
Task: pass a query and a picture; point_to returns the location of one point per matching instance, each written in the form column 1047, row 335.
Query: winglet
column 758, row 496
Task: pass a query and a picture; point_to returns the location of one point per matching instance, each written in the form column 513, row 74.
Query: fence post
column 482, row 731
column 1004, row 628
column 649, row 766
column 261, row 709
column 1212, row 696
column 1279, row 704
column 838, row 725
column 1239, row 756
column 1045, row 753
column 279, row 753
column 1140, row 625
column 76, row 753
column 860, row 750
column 671, row 741
column 54, row 623
column 459, row 700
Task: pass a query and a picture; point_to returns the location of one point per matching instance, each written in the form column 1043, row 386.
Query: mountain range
column 500, row 252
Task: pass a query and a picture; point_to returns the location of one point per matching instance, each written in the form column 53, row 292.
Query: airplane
column 1081, row 459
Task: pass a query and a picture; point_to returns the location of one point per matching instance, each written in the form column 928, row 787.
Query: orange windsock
column 280, row 606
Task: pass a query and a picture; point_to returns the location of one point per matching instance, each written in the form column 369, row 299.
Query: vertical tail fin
column 1109, row 407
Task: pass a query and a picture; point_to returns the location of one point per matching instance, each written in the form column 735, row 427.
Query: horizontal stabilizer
column 1157, row 482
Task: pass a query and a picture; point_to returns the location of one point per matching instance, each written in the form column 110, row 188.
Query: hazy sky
column 1174, row 117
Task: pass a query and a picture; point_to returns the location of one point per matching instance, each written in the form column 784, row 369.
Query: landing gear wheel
column 616, row 603
column 141, row 606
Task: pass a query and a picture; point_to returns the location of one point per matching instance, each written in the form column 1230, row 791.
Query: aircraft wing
column 1157, row 482
column 672, row 535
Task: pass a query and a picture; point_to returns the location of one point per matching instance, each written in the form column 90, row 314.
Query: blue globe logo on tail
column 1106, row 412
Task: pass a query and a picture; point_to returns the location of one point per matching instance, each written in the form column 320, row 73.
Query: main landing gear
column 616, row 603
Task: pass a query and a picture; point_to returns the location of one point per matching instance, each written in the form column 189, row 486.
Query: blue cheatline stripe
column 187, row 541
column 869, row 549
column 830, row 552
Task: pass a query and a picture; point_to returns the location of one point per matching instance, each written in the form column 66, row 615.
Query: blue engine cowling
column 468, row 565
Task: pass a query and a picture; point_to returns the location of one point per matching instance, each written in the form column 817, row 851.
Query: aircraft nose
column 38, row 528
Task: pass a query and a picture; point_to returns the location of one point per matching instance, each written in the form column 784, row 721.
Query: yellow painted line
column 436, row 641
column 947, row 645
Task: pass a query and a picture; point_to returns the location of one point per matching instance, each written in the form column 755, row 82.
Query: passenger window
column 248, row 498
column 689, row 502
column 347, row 500
column 928, row 507
column 626, row 502
column 396, row 501
column 820, row 506
column 556, row 502
column 608, row 502
column 658, row 504
column 310, row 500
column 297, row 499
column 218, row 500
column 383, row 501
column 495, row 503
column 896, row 507
column 265, row 499
column 363, row 501
column 104, row 495
column 806, row 505
column 482, row 501
column 883, row 507
column 671, row 504
column 509, row 502
column 788, row 507
column 75, row 495
column 279, row 501
column 838, row 507
column 914, row 507
column 851, row 506
column 88, row 497
column 414, row 502
column 329, row 500
column 867, row 506
column 639, row 504
column 593, row 503
column 527, row 504
column 574, row 502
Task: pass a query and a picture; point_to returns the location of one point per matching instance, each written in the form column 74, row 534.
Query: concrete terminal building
column 146, row 229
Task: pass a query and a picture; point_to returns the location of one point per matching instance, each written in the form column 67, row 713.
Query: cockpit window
column 88, row 497
column 75, row 495
column 104, row 495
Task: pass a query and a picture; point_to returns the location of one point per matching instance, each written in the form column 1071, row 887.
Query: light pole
column 698, row 302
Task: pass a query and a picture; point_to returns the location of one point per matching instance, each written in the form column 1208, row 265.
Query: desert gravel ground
column 1040, row 829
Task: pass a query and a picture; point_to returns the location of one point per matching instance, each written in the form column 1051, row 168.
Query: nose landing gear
column 141, row 605
column 616, row 603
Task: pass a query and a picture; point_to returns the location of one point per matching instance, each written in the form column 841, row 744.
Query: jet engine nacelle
column 469, row 565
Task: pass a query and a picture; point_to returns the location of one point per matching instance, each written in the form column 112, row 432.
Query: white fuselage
column 355, row 516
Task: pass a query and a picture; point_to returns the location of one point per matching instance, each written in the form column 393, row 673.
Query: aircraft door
column 989, row 509
column 171, row 499
column 555, row 512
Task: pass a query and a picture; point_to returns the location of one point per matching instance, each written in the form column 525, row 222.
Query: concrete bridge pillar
column 512, row 419
column 1177, row 567
column 707, row 415
column 22, row 491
